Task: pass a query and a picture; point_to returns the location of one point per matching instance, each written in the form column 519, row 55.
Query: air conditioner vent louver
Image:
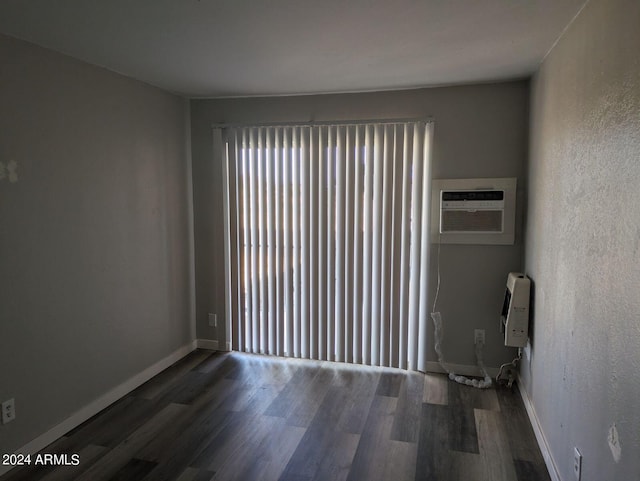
column 473, row 211
column 471, row 221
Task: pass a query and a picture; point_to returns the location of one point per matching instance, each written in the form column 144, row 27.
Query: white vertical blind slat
column 295, row 168
column 322, row 242
column 405, row 240
column 279, row 261
column 262, row 240
column 235, row 228
column 331, row 244
column 357, row 247
column 271, row 241
column 255, row 239
column 313, row 244
column 376, row 248
column 304, row 244
column 288, row 243
column 396, row 245
column 348, row 244
column 339, row 245
column 246, row 241
column 385, row 261
column 255, row 242
column 414, row 267
column 423, row 310
column 367, row 251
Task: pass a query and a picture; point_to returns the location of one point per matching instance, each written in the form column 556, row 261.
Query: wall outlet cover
column 8, row 411
column 577, row 464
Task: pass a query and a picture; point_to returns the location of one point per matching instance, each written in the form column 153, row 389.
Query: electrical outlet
column 213, row 320
column 577, row 464
column 478, row 336
column 8, row 411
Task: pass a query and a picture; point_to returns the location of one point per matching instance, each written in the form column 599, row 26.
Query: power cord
column 508, row 371
column 437, row 322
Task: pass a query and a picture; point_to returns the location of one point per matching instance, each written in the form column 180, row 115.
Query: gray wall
column 94, row 237
column 583, row 242
column 480, row 131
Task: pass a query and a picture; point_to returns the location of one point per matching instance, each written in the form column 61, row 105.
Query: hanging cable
column 508, row 371
column 439, row 336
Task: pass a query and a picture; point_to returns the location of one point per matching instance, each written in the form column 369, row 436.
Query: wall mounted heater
column 473, row 211
column 514, row 319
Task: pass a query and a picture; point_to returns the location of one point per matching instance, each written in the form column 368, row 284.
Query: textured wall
column 480, row 131
column 94, row 236
column 583, row 243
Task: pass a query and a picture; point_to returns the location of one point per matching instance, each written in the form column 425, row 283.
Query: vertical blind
column 328, row 235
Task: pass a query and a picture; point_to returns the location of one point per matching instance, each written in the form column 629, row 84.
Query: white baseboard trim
column 101, row 403
column 210, row 344
column 463, row 369
column 540, row 437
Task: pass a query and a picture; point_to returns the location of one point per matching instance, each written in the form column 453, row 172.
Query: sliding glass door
column 328, row 241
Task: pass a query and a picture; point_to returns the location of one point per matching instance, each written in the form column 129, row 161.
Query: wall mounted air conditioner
column 514, row 319
column 473, row 211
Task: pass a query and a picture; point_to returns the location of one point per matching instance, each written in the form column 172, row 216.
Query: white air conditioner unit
column 473, row 211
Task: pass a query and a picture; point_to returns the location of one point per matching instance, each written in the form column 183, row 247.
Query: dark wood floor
column 243, row 417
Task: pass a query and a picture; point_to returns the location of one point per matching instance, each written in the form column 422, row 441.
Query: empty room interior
column 300, row 240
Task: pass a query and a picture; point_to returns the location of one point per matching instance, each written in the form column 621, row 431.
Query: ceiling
column 221, row 48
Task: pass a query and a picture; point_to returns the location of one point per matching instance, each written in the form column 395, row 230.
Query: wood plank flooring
column 233, row 416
